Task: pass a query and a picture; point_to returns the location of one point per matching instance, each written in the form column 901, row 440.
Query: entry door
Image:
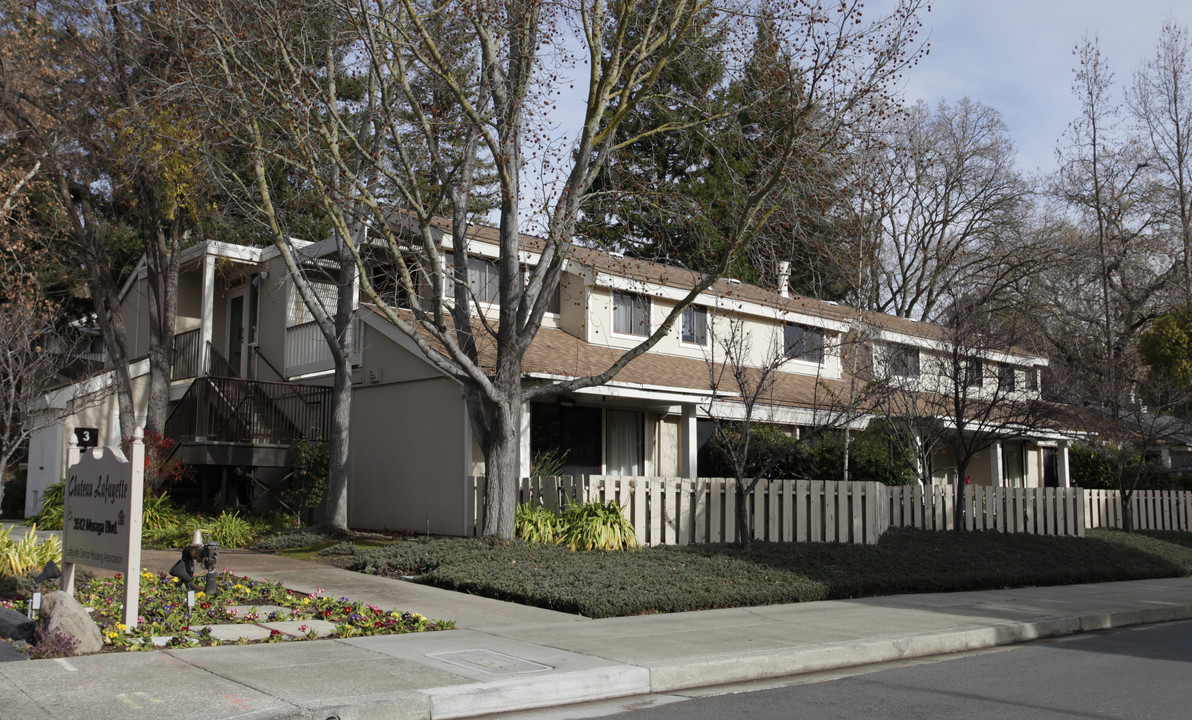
column 1051, row 469
column 238, row 331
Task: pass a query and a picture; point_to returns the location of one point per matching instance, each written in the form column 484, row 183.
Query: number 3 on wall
column 87, row 437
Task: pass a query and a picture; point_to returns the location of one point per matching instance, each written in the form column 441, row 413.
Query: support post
column 689, row 452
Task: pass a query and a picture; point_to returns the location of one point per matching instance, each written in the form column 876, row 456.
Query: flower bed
column 165, row 613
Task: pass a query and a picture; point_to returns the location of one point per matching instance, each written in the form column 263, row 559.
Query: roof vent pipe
column 784, row 278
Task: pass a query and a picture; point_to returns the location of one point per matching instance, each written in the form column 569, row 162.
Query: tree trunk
column 335, row 500
column 744, row 531
column 162, row 265
column 1128, row 511
column 500, row 468
column 961, row 495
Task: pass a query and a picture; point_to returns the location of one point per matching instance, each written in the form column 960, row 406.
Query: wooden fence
column 1152, row 509
column 678, row 511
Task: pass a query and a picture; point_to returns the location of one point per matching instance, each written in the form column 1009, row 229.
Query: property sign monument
column 101, row 525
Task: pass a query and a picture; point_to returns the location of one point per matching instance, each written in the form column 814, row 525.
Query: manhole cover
column 490, row 662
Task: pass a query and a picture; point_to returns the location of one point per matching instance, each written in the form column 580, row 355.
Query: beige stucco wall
column 409, row 444
column 271, row 319
column 408, row 459
column 190, row 301
column 134, row 309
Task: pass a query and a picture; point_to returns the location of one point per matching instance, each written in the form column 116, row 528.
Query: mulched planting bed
column 165, row 613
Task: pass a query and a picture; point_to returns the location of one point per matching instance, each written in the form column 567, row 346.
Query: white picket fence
column 678, row 511
column 1153, row 509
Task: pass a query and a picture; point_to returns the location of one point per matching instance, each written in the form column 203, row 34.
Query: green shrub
column 536, row 524
column 27, row 555
column 49, row 516
column 159, row 515
column 13, row 503
column 340, row 549
column 290, row 540
column 596, row 526
column 308, row 462
column 229, row 529
column 872, row 457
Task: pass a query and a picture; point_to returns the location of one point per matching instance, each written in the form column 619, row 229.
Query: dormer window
column 903, row 361
column 695, row 325
column 631, row 314
column 1032, row 379
column 803, row 343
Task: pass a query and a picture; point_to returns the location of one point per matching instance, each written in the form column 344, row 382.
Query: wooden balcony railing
column 220, row 409
column 188, row 358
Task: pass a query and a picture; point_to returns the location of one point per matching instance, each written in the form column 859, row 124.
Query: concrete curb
column 687, row 675
column 529, row 693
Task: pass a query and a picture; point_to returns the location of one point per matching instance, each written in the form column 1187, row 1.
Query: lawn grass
column 671, row 579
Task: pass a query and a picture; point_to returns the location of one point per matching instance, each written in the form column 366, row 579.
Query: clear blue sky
column 1016, row 56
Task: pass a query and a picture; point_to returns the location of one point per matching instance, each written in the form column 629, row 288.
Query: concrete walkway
column 509, row 657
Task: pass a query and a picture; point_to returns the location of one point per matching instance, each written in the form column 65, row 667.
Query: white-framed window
column 631, row 314
column 974, row 372
column 326, row 294
column 800, row 342
column 903, row 360
column 1006, row 377
column 484, row 280
column 695, row 325
column 1032, row 379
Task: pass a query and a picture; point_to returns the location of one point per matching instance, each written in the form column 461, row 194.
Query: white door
column 45, row 465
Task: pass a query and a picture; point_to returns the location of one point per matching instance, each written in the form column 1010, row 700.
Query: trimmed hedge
column 671, row 579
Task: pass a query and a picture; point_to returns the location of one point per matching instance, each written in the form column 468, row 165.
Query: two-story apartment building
column 251, row 374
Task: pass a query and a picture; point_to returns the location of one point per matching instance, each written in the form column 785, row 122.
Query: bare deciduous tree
column 947, row 207
column 1161, row 101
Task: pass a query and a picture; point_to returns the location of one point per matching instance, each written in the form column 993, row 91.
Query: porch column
column 206, row 312
column 523, row 442
column 688, row 444
column 649, row 441
column 995, row 465
column 1061, row 464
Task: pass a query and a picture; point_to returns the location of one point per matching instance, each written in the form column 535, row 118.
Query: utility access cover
column 488, row 661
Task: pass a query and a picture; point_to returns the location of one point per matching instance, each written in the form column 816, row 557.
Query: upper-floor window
column 803, row 343
column 326, row 294
column 631, row 314
column 695, row 325
column 483, row 280
column 974, row 372
column 1032, row 379
column 1006, row 377
column 388, row 285
column 903, row 360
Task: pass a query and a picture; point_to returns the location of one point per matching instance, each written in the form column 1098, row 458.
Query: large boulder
column 15, row 626
column 61, row 612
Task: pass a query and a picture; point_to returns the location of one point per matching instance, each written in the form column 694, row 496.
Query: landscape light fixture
column 50, row 572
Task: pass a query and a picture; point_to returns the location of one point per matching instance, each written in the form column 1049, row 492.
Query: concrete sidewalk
column 509, row 657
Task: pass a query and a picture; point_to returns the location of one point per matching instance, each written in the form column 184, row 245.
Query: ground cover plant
column 165, row 612
column 669, row 579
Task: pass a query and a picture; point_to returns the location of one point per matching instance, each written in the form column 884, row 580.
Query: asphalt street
column 1140, row 673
